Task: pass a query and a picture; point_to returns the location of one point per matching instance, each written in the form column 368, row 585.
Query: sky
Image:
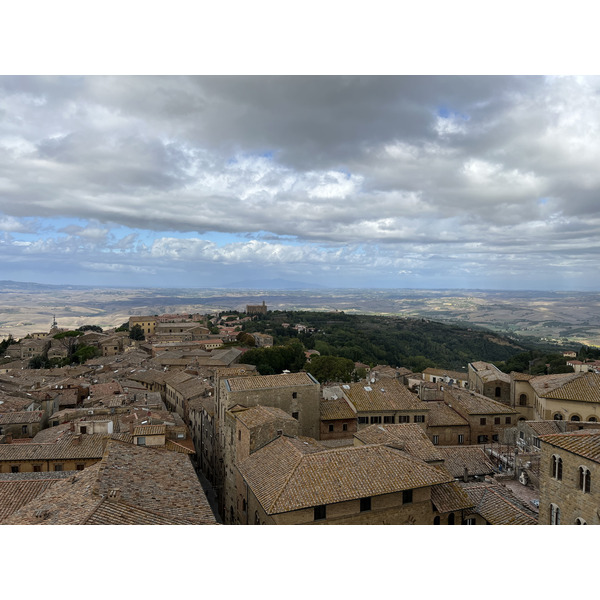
column 337, row 181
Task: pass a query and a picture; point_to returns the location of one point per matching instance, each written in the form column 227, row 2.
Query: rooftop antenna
column 54, row 323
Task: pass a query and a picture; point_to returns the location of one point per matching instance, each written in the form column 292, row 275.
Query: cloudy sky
column 396, row 181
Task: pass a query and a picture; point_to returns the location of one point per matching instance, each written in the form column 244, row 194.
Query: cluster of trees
column 270, row 361
column 536, row 362
column 412, row 343
column 77, row 353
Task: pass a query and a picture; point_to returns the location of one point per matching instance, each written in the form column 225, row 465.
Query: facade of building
column 488, row 380
column 570, row 478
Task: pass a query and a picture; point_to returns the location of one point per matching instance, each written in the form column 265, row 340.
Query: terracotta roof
column 449, row 497
column 284, row 477
column 90, row 446
column 149, row 430
column 334, row 409
column 159, row 487
column 521, row 376
column 585, row 443
column 442, row 415
column 256, row 416
column 261, row 382
column 409, row 436
column 457, row 458
column 21, row 417
column 17, row 489
column 544, row 384
column 390, row 395
column 475, row 404
column 498, row 505
column 545, row 427
column 585, row 388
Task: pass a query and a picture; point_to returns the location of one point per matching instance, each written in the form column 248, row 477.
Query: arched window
column 436, row 521
column 580, row 521
column 554, row 515
column 498, row 392
column 523, row 400
column 584, row 479
column 592, row 419
column 575, row 418
column 557, row 417
column 256, row 518
column 451, row 519
column 556, row 467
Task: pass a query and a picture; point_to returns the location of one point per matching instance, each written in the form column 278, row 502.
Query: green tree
column 331, row 368
column 68, row 340
column 90, row 328
column 137, row 333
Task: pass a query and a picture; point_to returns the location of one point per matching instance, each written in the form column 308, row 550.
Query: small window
column 294, row 394
column 554, row 515
column 508, row 420
column 79, row 467
column 320, row 512
column 14, row 469
column 1, row 431
column 584, row 479
column 141, row 440
column 436, row 440
column 461, row 438
column 469, row 521
column 419, row 418
column 580, row 521
column 403, row 419
column 295, row 415
column 388, row 419
column 496, row 420
column 575, row 418
column 24, row 429
column 495, row 437
column 37, row 468
column 375, row 420
column 482, row 421
column 345, row 427
column 482, row 439
column 83, row 429
column 239, row 435
column 365, row 504
column 556, row 467
column 407, row 497
column 451, row 519
column 363, row 420
column 436, row 521
column 557, row 417
column 330, row 428
column 498, row 392
column 58, row 467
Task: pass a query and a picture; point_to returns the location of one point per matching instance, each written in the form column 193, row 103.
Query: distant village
column 165, row 424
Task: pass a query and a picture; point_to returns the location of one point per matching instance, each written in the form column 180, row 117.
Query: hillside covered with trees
column 400, row 342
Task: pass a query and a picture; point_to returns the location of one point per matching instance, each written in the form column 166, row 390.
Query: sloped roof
column 336, row 408
column 21, row 417
column 459, row 375
column 261, row 382
column 498, row 505
column 442, row 415
column 159, row 487
column 544, row 384
column 473, row 458
column 90, row 446
column 410, row 436
column 585, row 443
column 256, row 416
column 388, row 395
column 449, row 497
column 476, row 404
column 284, row 477
column 585, row 388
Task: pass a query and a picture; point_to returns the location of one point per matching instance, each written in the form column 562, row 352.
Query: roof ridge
column 301, row 456
column 506, row 500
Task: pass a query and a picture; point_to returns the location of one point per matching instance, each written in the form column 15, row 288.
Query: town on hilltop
column 168, row 420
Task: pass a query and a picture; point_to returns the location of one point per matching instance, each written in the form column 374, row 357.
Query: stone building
column 457, row 378
column 338, row 418
column 487, row 418
column 488, row 380
column 256, row 309
column 21, row 424
column 148, row 324
column 386, row 401
column 297, row 481
column 570, row 478
column 445, row 426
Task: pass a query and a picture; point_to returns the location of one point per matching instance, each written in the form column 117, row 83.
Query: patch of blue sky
column 446, row 113
column 543, row 201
